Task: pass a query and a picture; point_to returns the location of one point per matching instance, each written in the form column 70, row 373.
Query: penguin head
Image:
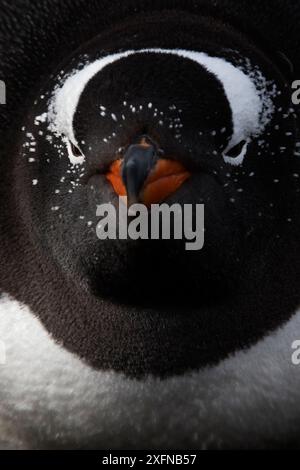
column 215, row 120
column 128, row 116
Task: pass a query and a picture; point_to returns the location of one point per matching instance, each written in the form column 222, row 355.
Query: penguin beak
column 138, row 162
column 144, row 177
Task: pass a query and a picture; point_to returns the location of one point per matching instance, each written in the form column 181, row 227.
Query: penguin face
column 222, row 115
column 187, row 103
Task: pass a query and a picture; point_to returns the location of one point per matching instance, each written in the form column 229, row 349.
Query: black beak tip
column 138, row 162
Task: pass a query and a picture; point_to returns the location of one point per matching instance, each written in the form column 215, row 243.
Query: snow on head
column 251, row 105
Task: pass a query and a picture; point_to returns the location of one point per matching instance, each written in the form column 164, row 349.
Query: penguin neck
column 88, row 326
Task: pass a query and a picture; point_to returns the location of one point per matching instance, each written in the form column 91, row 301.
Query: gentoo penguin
column 141, row 343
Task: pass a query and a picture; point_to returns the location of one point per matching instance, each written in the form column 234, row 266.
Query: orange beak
column 163, row 180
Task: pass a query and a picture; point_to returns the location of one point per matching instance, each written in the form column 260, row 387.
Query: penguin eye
column 235, row 151
column 75, row 150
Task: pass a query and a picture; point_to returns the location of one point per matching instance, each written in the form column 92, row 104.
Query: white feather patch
column 48, row 395
column 251, row 104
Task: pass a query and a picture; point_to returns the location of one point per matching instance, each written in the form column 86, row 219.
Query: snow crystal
column 41, row 119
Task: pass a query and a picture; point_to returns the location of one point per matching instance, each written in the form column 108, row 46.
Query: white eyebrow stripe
column 246, row 101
